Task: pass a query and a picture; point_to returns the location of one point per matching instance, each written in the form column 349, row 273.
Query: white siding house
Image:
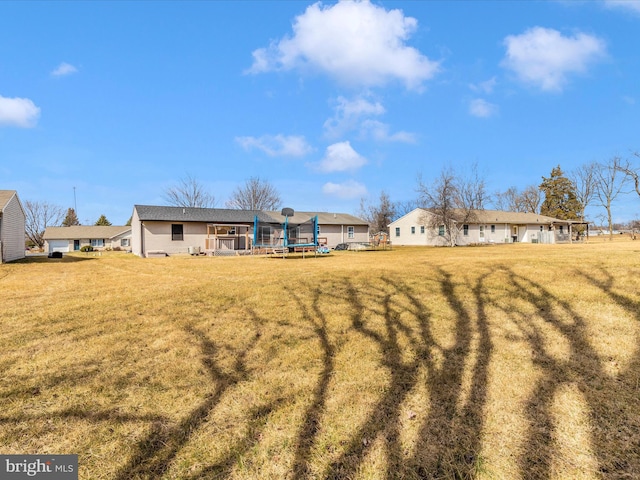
column 487, row 227
column 99, row 237
column 12, row 227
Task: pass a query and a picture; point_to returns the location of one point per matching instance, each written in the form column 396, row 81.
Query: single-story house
column 175, row 230
column 12, row 227
column 420, row 227
column 73, row 238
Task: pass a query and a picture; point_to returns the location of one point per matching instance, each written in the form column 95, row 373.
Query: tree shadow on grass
column 612, row 402
column 154, row 453
column 449, row 437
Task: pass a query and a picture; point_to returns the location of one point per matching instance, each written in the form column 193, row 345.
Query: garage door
column 58, row 246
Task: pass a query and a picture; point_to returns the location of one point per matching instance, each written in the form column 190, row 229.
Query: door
column 76, row 245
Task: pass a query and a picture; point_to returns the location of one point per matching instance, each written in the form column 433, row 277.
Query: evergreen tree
column 71, row 218
column 560, row 197
column 103, row 222
column 128, row 224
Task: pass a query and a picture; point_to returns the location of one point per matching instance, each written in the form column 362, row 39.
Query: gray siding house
column 183, row 230
column 12, row 227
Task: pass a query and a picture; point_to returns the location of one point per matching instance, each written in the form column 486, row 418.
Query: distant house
column 175, row 230
column 487, row 227
column 69, row 239
column 12, row 227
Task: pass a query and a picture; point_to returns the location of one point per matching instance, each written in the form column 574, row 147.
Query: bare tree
column 510, row 200
column 531, row 199
column 451, row 202
column 406, row 206
column 255, row 194
column 472, row 190
column 189, row 192
column 39, row 216
column 633, row 173
column 584, row 181
column 379, row 215
column 609, row 182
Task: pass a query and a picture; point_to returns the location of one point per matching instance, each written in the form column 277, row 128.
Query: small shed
column 12, row 227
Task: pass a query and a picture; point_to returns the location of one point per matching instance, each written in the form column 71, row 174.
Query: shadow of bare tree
column 613, row 402
column 154, row 453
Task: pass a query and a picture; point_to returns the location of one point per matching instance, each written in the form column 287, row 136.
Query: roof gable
column 500, row 216
column 84, row 232
column 5, row 197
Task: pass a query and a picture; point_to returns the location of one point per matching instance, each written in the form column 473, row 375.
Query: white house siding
column 400, row 230
column 12, row 230
column 407, row 230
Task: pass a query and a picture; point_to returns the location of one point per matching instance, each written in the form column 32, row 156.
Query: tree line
column 454, row 198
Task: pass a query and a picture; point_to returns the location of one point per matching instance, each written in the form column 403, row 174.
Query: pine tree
column 560, row 197
column 71, row 218
column 103, row 222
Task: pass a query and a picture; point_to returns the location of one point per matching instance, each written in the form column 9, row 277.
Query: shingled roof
column 5, row 196
column 192, row 214
column 84, row 231
column 225, row 215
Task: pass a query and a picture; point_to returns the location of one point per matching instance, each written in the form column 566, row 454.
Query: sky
column 104, row 105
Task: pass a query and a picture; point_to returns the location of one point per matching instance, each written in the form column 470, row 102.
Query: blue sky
column 330, row 102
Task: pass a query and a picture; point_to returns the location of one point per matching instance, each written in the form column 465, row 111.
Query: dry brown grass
column 504, row 362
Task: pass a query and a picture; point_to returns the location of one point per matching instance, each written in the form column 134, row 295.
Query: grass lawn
column 502, row 362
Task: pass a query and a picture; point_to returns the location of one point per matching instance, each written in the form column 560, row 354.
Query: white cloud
column 357, row 115
column 633, row 5
column 481, row 108
column 544, row 57
column 18, row 112
column 348, row 114
column 64, row 69
column 277, row 145
column 353, row 41
column 484, row 87
column 380, row 131
column 345, row 190
column 341, row 157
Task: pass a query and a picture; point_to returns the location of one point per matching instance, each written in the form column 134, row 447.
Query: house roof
column 192, row 214
column 225, row 215
column 324, row 218
column 82, row 232
column 500, row 216
column 5, row 196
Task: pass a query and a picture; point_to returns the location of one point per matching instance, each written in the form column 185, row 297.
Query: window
column 465, row 230
column 561, row 229
column 441, row 230
column 397, row 231
column 481, row 231
column 177, row 232
column 413, row 230
column 125, row 242
column 351, row 232
column 97, row 242
column 493, row 229
column 422, row 229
